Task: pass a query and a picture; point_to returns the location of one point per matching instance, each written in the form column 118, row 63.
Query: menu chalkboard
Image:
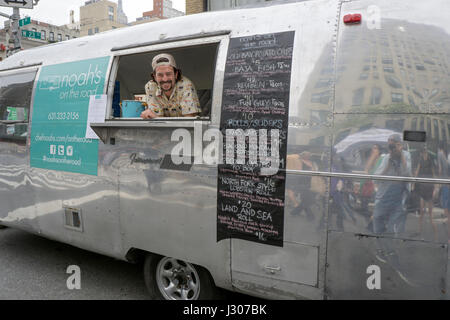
column 254, row 122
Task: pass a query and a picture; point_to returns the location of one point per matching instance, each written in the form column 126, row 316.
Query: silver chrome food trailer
column 360, row 72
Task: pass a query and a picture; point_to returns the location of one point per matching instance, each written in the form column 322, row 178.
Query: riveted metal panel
column 406, row 269
column 312, row 88
column 165, row 210
column 396, row 60
column 360, row 146
column 278, row 263
column 306, row 196
column 309, row 137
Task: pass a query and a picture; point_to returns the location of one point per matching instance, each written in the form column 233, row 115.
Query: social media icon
column 52, row 149
column 69, row 151
column 60, row 150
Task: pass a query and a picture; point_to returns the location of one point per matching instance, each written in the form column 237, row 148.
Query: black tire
column 153, row 269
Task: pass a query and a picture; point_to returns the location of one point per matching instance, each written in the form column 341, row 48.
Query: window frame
column 222, row 42
column 31, row 68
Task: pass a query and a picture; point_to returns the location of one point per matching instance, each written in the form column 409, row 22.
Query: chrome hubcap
column 177, row 280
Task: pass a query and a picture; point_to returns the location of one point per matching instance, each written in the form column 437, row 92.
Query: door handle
column 272, row 270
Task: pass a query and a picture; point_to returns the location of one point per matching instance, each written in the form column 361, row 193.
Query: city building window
column 96, row 30
column 416, row 92
column 323, row 83
column 414, row 124
column 376, row 96
column 436, row 128
column 322, row 97
column 397, row 97
column 34, row 29
column 420, row 67
column 326, row 71
column 43, row 34
column 90, row 32
column 396, row 125
column 358, row 97
column 393, row 81
column 51, row 36
column 388, row 69
column 67, row 37
column 59, row 37
column 363, row 76
column 411, row 102
column 443, row 132
column 111, row 13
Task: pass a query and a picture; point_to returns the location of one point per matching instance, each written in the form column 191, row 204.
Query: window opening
column 197, row 63
column 15, row 98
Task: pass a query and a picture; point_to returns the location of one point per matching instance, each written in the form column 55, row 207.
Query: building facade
column 121, row 16
column 49, row 34
column 100, row 15
column 197, row 6
column 162, row 9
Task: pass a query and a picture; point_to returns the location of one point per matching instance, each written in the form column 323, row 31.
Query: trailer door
column 16, row 87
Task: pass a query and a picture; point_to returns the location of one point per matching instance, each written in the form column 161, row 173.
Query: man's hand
column 148, row 114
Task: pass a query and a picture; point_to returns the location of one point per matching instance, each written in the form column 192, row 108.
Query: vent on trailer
column 72, row 219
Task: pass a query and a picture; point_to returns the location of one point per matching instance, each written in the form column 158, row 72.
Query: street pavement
column 32, row 268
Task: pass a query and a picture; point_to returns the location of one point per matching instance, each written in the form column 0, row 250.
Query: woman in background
column 425, row 169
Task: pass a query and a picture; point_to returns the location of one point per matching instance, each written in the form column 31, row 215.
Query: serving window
column 197, row 63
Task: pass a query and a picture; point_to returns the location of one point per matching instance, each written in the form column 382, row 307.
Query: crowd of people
column 384, row 203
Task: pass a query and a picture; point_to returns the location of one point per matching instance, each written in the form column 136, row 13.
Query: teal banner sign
column 60, row 114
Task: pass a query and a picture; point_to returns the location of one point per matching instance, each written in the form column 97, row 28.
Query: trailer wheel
column 173, row 279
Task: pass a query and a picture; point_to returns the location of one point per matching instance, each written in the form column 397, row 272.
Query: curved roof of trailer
column 235, row 21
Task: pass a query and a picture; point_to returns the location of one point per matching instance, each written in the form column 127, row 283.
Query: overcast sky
column 57, row 11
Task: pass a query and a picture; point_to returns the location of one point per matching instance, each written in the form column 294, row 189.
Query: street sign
column 26, row 4
column 31, row 34
column 24, row 22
